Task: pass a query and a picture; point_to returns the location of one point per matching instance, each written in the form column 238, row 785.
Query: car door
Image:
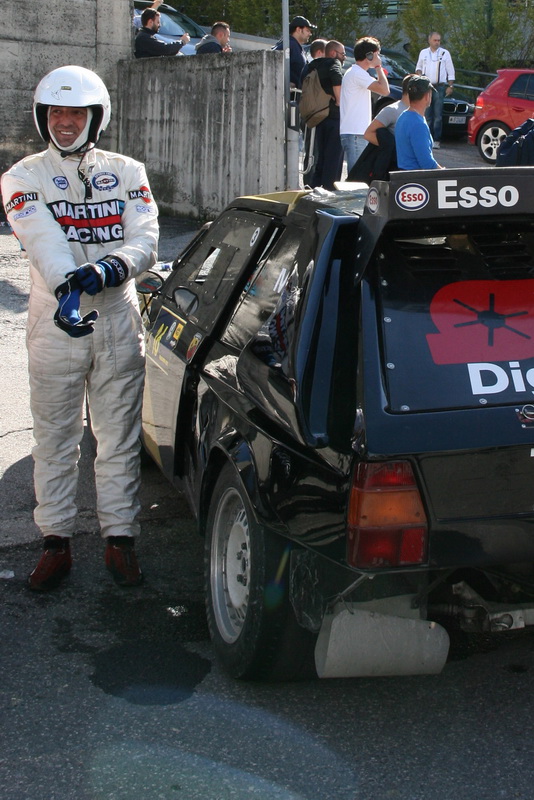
column 521, row 99
column 195, row 300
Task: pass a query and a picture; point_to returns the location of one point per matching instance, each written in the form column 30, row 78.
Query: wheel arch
column 238, row 452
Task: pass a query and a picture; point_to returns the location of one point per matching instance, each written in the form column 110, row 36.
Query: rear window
column 456, row 315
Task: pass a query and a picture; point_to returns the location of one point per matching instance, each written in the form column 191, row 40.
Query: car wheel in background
column 252, row 625
column 490, row 137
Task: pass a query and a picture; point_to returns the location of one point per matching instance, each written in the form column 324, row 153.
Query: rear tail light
column 479, row 102
column 387, row 525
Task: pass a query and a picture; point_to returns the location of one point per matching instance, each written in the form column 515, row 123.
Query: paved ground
column 456, row 153
column 114, row 695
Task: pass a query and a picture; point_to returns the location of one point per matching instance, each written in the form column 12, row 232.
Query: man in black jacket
column 329, row 148
column 518, row 147
column 300, row 31
column 146, row 44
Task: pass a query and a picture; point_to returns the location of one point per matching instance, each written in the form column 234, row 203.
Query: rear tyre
column 489, row 139
column 252, row 625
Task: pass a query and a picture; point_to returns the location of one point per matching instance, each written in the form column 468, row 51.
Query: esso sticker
column 412, row 197
column 372, row 200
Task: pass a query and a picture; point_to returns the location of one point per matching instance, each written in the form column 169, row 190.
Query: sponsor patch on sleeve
column 19, row 200
column 143, row 193
column 26, row 212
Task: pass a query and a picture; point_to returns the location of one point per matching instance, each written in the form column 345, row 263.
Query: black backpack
column 517, row 150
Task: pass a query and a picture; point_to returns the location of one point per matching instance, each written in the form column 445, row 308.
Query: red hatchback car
column 503, row 105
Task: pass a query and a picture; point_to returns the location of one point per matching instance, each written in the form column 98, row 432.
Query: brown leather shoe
column 121, row 561
column 54, row 564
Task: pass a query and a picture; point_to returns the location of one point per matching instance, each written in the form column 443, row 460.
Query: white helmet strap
column 82, row 138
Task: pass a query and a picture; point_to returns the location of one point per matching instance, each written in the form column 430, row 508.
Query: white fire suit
column 66, row 212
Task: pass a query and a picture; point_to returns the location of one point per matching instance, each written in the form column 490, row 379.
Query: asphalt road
column 110, row 694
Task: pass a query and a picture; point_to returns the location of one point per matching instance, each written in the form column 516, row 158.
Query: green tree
column 489, row 34
column 481, row 34
column 339, row 19
column 416, row 21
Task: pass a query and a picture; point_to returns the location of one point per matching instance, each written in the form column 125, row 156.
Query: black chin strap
column 84, row 179
column 80, row 151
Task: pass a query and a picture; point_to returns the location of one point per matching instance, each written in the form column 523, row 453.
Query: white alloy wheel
column 230, row 560
column 490, row 138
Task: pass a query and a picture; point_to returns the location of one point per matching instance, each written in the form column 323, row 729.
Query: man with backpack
column 321, row 92
column 310, row 145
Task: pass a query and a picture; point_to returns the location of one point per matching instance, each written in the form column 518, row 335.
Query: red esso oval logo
column 412, row 197
column 372, row 201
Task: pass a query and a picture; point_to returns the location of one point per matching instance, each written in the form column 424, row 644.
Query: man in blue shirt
column 300, row 31
column 412, row 134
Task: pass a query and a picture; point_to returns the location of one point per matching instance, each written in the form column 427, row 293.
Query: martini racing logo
column 412, row 197
column 19, row 200
column 141, row 194
column 372, row 200
column 90, row 223
column 105, row 181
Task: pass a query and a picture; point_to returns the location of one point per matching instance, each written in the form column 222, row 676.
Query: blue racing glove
column 67, row 316
column 109, row 271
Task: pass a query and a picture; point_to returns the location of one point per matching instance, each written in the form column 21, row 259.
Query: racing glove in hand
column 67, row 316
column 109, row 271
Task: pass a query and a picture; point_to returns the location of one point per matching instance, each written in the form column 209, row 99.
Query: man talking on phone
column 356, row 88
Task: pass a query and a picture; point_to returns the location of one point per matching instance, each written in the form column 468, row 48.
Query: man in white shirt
column 436, row 64
column 355, row 106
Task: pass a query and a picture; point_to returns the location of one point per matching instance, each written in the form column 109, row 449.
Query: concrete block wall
column 39, row 35
column 208, row 128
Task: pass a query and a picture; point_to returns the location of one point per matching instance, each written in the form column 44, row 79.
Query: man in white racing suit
column 88, row 224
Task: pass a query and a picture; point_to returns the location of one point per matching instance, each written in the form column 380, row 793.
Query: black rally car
column 343, row 386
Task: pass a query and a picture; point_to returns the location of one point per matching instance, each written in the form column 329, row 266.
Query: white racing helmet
column 75, row 87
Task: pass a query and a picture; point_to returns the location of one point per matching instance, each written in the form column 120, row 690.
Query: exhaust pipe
column 355, row 643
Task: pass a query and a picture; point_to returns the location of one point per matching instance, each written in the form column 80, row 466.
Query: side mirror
column 149, row 282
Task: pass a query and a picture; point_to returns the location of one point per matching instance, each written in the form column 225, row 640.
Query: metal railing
column 477, row 81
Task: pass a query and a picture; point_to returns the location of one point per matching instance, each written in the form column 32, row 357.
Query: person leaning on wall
column 215, row 42
column 146, row 44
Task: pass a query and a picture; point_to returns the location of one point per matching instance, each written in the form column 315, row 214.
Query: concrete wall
column 39, row 35
column 208, row 128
